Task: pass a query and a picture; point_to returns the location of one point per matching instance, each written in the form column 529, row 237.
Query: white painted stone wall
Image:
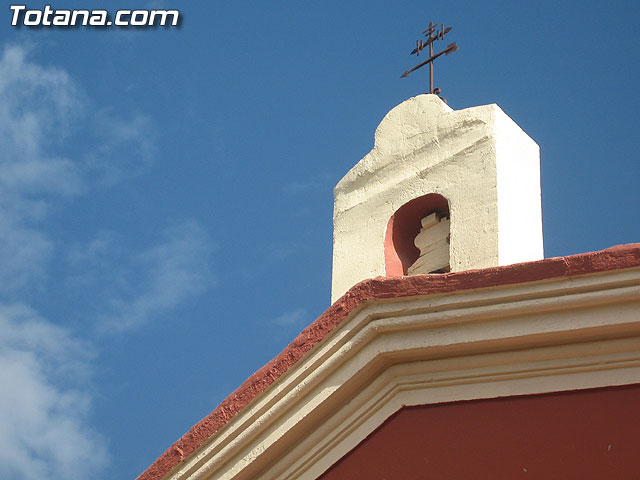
column 478, row 158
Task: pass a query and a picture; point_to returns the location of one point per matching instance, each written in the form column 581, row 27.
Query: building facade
column 452, row 349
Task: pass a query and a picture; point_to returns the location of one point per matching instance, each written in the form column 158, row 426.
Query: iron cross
column 432, row 33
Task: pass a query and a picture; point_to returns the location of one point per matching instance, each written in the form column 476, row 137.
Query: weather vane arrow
column 450, row 49
column 432, row 33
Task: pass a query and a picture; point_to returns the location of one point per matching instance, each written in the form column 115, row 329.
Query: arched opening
column 400, row 251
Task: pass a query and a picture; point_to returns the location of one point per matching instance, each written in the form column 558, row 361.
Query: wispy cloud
column 44, row 369
column 279, row 252
column 24, row 253
column 41, row 107
column 318, row 182
column 295, row 318
column 124, row 149
column 294, row 188
column 37, row 107
column 150, row 283
column 43, row 401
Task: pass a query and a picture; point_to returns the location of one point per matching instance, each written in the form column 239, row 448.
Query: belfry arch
column 400, row 250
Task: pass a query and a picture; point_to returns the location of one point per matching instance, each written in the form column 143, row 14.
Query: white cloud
column 44, row 401
column 40, row 108
column 294, row 188
column 125, row 149
column 150, row 283
column 37, row 107
column 44, row 394
column 295, row 318
column 44, row 370
column 43, row 408
column 24, row 253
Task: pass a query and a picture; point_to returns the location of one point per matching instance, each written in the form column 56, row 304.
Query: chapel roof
column 383, row 289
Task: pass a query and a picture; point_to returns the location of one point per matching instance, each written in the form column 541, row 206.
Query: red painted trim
column 615, row 258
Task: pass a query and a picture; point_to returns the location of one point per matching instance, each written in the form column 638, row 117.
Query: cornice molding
column 549, row 335
column 478, row 312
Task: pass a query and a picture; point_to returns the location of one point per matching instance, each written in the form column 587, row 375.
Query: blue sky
column 166, row 194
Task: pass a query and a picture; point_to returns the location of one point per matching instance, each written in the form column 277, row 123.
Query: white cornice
column 552, row 335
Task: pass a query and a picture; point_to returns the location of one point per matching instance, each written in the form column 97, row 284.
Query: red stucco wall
column 589, row 434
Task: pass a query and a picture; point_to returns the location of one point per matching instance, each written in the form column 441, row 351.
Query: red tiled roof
column 615, row 258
